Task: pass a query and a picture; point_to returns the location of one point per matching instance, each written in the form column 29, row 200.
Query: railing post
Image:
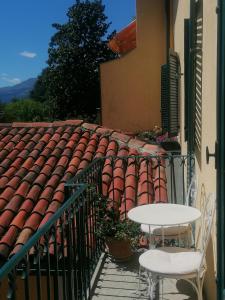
column 11, row 285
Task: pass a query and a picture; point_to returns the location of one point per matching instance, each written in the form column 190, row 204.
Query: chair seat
column 171, row 261
column 166, row 230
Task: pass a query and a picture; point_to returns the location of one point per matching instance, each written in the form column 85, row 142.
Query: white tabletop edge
column 191, row 214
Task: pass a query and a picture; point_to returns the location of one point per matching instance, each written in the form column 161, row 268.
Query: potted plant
column 121, row 236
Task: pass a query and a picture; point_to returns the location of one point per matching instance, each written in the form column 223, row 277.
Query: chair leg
column 200, row 286
column 139, row 279
column 162, row 289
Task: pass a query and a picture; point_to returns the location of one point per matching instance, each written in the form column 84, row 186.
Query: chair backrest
column 206, row 223
column 192, row 192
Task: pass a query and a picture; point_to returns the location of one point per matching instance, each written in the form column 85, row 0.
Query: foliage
column 25, row 110
column 39, row 92
column 71, row 81
column 111, row 225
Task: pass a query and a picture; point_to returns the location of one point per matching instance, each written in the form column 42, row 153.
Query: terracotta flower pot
column 119, row 249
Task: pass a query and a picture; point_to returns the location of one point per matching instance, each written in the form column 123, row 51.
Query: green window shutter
column 165, row 97
column 170, row 82
column 186, row 76
column 195, row 85
column 174, row 86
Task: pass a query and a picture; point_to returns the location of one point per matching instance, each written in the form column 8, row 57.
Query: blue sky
column 25, row 31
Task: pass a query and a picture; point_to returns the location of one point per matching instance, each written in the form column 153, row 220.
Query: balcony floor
column 119, row 281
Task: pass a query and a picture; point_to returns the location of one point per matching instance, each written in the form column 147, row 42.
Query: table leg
column 152, row 283
column 163, row 236
column 150, row 238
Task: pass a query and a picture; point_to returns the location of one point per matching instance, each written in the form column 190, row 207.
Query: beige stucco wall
column 130, row 85
column 206, row 173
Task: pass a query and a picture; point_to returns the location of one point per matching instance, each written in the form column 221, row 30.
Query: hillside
column 21, row 90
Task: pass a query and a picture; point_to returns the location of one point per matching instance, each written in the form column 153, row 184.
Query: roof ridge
column 121, row 137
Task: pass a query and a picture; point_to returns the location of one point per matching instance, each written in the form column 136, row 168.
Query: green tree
column 71, row 81
column 2, row 105
column 39, row 92
column 25, row 110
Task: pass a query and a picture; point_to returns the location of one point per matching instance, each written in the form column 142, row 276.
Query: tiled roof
column 36, row 159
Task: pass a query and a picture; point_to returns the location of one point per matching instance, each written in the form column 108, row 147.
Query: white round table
column 164, row 214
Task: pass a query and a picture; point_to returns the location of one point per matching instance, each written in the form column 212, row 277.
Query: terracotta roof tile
column 57, row 153
column 73, row 122
column 23, row 237
column 41, row 180
column 51, row 161
column 7, row 193
column 58, row 196
column 3, row 181
column 121, row 137
column 23, row 189
column 36, row 124
column 27, row 206
column 36, row 159
column 3, row 203
column 10, row 172
column 92, row 127
column 6, row 218
column 161, row 195
column 67, row 152
column 46, row 218
column 33, row 221
column 63, row 161
column 53, row 206
column 53, row 181
column 30, row 177
column 14, row 203
column 34, row 192
column 72, row 170
column 59, row 170
column 47, row 193
column 19, row 219
column 8, row 240
column 41, row 206
column 104, row 131
column 14, row 182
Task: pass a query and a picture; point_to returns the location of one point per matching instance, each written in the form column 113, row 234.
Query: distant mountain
column 21, row 90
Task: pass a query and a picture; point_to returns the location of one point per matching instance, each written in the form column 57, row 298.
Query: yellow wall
column 130, row 85
column 206, row 173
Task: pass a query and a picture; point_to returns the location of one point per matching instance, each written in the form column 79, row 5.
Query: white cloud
column 11, row 80
column 28, row 54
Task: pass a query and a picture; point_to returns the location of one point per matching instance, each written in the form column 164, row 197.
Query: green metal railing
column 59, row 260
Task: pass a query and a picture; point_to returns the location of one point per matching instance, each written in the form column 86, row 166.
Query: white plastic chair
column 180, row 263
column 176, row 232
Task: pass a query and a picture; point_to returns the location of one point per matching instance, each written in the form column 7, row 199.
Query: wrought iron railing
column 59, row 260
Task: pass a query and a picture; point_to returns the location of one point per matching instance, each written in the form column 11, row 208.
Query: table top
column 164, row 214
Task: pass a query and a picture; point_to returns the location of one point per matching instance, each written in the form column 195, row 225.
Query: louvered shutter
column 174, row 80
column 170, row 78
column 165, row 97
column 195, row 116
column 186, row 77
